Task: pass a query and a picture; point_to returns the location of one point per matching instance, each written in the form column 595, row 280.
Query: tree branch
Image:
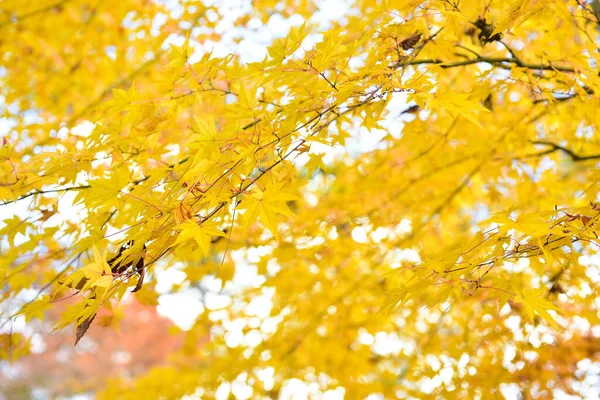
column 555, row 147
column 37, row 191
column 495, row 61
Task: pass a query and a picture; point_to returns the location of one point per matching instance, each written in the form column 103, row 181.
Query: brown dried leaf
column 410, row 42
column 83, row 328
column 411, row 110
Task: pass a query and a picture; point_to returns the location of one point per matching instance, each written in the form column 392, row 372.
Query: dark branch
column 503, row 62
column 36, row 192
column 574, row 156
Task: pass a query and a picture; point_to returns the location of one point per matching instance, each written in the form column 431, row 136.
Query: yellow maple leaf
column 201, row 233
column 98, row 272
column 533, row 302
column 267, row 204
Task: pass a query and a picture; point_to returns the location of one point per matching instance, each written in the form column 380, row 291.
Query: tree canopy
column 383, row 199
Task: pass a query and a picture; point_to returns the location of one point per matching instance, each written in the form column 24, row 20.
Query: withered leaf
column 411, row 41
column 83, row 328
column 411, row 110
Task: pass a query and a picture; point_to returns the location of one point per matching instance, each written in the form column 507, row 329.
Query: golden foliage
column 453, row 258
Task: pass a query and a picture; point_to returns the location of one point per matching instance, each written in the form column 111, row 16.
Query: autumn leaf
column 393, row 298
column 36, row 308
column 180, row 54
column 200, row 233
column 267, row 204
column 98, row 272
column 83, row 327
column 535, row 304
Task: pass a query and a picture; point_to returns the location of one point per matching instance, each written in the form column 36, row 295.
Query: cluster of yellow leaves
column 129, row 143
column 98, row 273
column 201, row 233
column 267, row 204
